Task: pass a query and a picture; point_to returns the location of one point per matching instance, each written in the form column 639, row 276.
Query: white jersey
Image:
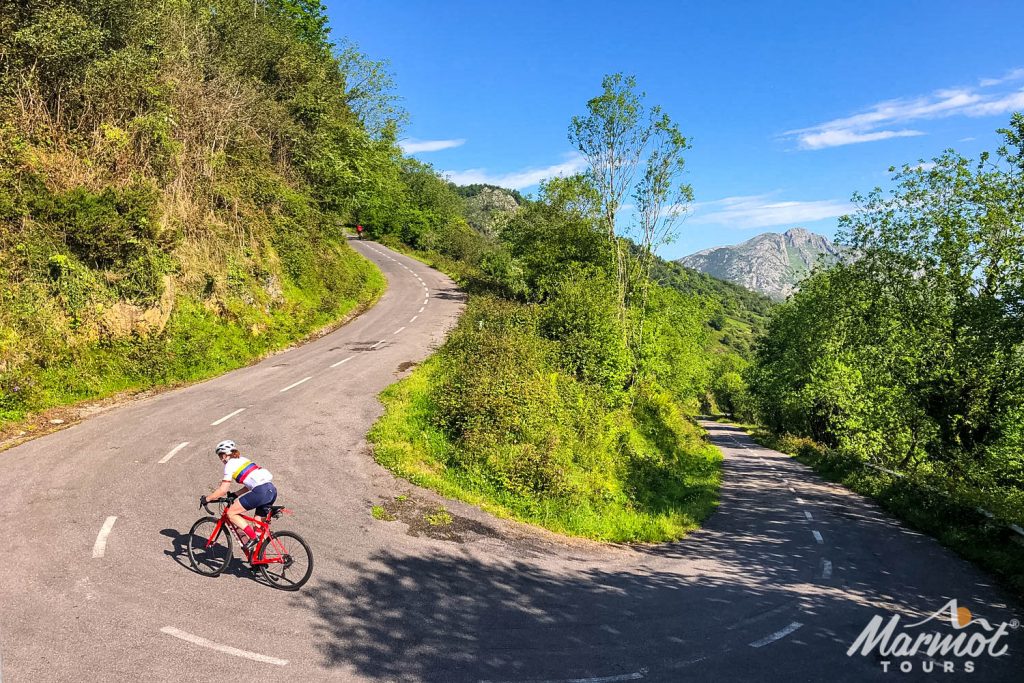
column 246, row 472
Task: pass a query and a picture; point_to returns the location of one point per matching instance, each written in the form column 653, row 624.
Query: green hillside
column 174, row 178
column 737, row 315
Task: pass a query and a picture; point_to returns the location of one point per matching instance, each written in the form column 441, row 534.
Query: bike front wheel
column 209, row 554
column 289, row 561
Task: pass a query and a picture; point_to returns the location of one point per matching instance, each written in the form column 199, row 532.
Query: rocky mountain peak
column 770, row 263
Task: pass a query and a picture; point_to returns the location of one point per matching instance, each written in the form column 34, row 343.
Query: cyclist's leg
column 235, row 513
column 262, row 495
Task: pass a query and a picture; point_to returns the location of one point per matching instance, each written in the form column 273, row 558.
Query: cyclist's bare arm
column 221, row 491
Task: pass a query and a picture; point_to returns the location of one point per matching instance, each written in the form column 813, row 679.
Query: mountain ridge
column 770, row 263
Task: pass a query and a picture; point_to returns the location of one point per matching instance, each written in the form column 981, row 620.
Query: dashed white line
column 100, row 546
column 421, row 309
column 292, row 386
column 826, row 569
column 781, row 633
column 817, row 536
column 344, row 360
column 808, row 515
column 378, row 344
column 226, row 649
column 174, row 451
column 398, row 330
column 226, row 417
column 413, row 319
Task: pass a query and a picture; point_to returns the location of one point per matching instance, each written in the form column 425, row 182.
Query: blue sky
column 791, row 106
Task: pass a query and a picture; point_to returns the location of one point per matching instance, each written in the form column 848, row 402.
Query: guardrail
column 1018, row 532
column 1019, row 538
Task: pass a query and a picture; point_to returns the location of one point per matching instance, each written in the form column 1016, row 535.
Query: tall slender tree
column 622, row 138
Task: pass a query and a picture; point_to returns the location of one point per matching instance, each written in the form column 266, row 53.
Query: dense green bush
column 496, row 418
column 581, row 316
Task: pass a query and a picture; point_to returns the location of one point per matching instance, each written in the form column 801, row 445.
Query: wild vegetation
column 910, row 356
column 563, row 397
column 174, row 182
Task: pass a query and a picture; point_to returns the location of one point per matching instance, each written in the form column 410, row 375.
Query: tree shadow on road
column 687, row 610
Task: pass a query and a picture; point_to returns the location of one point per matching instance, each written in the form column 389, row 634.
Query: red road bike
column 283, row 557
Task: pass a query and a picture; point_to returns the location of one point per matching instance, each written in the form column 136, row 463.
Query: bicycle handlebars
column 229, row 499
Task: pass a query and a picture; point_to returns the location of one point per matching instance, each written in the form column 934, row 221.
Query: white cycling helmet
column 225, row 448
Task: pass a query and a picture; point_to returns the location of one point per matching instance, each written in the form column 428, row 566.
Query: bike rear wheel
column 290, row 561
column 209, row 556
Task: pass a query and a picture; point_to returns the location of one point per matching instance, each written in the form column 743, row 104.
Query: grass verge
column 197, row 343
column 669, row 486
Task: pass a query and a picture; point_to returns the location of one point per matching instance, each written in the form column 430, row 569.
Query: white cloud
column 518, row 180
column 1002, row 105
column 760, row 211
column 883, row 120
column 1012, row 75
column 413, row 146
column 925, row 166
column 837, row 138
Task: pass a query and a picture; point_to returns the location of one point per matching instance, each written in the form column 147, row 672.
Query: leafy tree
column 911, row 353
column 621, row 138
column 369, row 91
column 555, row 233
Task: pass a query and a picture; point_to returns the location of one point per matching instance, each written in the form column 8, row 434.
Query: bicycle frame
column 263, row 532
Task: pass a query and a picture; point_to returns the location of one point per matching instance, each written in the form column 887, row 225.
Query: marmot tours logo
column 947, row 641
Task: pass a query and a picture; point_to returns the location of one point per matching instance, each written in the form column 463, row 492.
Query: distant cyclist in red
column 359, row 229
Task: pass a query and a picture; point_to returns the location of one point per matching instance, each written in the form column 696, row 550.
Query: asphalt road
column 775, row 587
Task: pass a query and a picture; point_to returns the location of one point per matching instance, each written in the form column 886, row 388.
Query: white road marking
column 100, row 546
column 413, row 319
column 378, row 344
column 817, row 536
column 399, row 329
column 421, row 309
column 226, row 649
column 808, row 515
column 635, row 676
column 292, row 386
column 826, row 569
column 782, row 633
column 345, row 360
column 174, row 451
column 226, row 417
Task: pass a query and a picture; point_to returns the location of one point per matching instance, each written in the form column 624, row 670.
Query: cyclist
column 359, row 229
column 259, row 491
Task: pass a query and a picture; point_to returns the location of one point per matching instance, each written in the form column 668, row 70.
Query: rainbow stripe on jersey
column 244, row 470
